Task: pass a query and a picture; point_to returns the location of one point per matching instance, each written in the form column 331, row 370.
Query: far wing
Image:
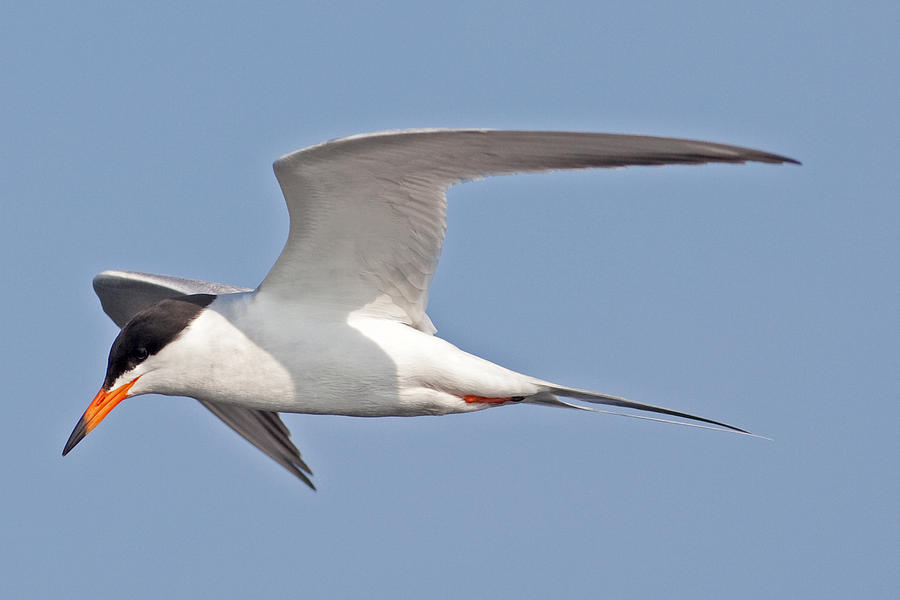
column 124, row 293
column 368, row 212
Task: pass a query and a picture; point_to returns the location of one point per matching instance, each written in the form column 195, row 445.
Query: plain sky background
column 764, row 296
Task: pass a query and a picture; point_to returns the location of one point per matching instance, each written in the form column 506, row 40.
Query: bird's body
column 339, row 324
column 318, row 361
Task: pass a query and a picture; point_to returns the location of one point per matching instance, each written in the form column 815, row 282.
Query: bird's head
column 136, row 355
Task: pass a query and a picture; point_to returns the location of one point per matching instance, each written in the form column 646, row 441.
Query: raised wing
column 124, row 293
column 368, row 212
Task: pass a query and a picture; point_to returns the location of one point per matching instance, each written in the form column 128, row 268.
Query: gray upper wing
column 124, row 293
column 368, row 212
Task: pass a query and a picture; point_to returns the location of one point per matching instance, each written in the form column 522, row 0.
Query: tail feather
column 551, row 391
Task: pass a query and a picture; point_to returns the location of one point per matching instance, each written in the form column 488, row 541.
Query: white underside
column 309, row 360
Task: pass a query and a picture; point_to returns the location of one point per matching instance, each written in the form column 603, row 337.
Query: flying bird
column 338, row 326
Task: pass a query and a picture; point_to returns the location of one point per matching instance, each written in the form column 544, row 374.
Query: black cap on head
column 150, row 330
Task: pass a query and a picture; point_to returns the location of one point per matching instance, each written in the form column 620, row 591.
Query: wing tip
column 774, row 159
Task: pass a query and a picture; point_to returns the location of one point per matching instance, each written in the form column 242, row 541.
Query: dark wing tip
column 776, row 159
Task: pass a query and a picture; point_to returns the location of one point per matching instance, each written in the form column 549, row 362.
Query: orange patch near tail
column 483, row 400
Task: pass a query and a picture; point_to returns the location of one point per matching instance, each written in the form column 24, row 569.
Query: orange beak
column 100, row 406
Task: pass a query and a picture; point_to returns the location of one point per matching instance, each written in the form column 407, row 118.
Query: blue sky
column 142, row 139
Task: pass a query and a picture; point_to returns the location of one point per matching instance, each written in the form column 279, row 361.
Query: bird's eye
column 141, row 353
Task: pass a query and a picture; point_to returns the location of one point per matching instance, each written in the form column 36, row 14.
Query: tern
column 338, row 326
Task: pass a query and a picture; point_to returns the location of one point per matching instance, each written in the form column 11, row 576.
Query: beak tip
column 77, row 435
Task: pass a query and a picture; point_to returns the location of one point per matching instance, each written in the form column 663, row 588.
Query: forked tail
column 551, row 391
